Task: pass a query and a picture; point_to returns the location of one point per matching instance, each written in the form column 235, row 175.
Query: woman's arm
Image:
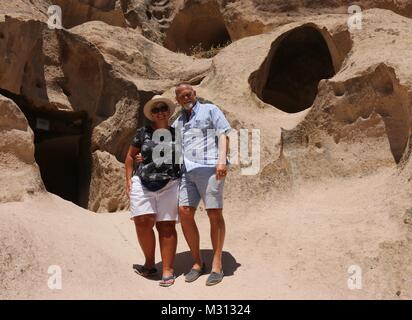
column 129, row 165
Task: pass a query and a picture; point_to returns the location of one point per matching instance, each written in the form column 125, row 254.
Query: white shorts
column 163, row 202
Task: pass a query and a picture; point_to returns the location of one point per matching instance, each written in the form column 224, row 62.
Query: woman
column 153, row 191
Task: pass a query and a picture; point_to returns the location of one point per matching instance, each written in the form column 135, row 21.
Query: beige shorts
column 163, row 203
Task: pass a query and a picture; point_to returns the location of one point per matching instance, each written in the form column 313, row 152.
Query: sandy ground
column 297, row 245
column 278, row 246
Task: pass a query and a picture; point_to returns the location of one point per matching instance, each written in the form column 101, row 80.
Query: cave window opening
column 199, row 30
column 290, row 77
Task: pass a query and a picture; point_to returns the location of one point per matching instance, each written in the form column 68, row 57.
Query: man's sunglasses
column 162, row 108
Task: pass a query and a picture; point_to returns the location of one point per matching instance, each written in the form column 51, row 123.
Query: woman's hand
column 138, row 159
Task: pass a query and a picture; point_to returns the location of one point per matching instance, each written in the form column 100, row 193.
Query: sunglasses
column 162, row 108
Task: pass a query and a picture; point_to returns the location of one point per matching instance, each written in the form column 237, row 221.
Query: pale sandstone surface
column 333, row 183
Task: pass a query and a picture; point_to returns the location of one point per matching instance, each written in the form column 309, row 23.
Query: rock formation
column 19, row 173
column 325, row 101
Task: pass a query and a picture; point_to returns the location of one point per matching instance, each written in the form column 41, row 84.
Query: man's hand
column 221, row 171
column 138, row 159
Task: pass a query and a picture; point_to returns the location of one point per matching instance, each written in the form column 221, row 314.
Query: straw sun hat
column 154, row 102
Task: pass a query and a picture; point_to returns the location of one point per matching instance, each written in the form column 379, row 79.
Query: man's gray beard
column 188, row 106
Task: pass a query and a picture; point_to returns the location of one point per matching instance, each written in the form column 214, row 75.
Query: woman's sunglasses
column 162, row 108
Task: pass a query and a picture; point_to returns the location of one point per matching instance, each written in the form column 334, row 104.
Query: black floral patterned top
column 154, row 176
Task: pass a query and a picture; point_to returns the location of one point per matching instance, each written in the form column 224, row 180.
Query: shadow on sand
column 183, row 263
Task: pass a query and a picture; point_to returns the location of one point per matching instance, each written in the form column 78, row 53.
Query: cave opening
column 62, row 151
column 62, row 142
column 200, row 27
column 289, row 77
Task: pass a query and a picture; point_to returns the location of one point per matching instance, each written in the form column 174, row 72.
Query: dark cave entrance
column 200, row 27
column 62, row 149
column 290, row 75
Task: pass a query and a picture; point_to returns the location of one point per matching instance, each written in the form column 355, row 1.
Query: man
column 204, row 131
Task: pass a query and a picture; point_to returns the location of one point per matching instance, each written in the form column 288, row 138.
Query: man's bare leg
column 217, row 234
column 191, row 233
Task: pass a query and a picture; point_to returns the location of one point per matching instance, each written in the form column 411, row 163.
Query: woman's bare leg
column 144, row 228
column 168, row 244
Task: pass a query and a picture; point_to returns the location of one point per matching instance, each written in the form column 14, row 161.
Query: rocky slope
column 332, row 107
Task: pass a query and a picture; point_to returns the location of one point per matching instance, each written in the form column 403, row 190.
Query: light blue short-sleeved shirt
column 199, row 135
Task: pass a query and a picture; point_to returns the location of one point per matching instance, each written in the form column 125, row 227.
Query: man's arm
column 222, row 128
column 223, row 145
